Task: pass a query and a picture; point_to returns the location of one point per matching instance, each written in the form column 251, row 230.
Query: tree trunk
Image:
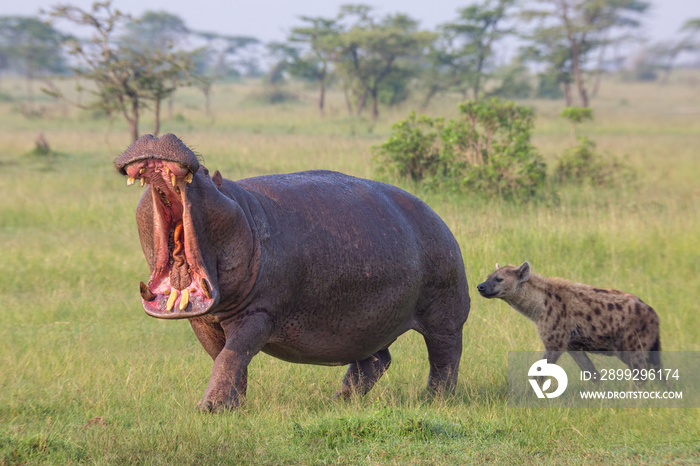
column 156, row 126
column 599, row 70
column 134, row 120
column 322, row 97
column 477, row 82
column 375, row 104
column 578, row 73
column 567, row 94
column 171, row 100
column 361, row 102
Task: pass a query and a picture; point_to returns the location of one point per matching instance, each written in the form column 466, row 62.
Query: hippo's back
column 347, row 205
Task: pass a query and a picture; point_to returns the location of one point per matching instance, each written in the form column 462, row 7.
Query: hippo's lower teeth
column 171, row 300
column 184, row 299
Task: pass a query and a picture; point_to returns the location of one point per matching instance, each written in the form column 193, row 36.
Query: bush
column 414, row 149
column 582, row 164
column 487, row 150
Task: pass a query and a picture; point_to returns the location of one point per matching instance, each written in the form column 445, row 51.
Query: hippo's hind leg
column 362, row 375
column 441, row 326
column 444, row 353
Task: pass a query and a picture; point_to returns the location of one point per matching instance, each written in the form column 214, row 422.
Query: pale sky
column 270, row 20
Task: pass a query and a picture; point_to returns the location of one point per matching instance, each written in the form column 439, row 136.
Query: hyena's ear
column 523, row 272
column 497, row 267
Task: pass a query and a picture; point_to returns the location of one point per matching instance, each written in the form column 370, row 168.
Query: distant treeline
column 563, row 48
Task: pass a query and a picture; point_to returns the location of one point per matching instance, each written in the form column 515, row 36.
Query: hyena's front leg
column 554, row 340
column 552, row 356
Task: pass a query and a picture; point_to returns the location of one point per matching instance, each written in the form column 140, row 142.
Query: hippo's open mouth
column 179, row 285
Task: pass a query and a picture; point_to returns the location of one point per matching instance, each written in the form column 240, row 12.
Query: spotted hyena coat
column 575, row 317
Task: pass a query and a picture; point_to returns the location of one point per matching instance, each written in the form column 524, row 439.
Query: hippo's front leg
column 245, row 337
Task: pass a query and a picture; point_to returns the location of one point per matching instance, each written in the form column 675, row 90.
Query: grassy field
column 86, row 376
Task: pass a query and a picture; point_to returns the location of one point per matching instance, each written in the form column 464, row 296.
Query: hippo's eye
column 498, row 279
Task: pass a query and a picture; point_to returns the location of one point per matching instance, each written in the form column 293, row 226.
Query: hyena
column 576, row 318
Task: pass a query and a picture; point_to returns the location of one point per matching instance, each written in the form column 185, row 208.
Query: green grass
column 86, row 376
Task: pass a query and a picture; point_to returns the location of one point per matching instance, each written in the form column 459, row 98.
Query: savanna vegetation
column 606, row 193
column 88, row 377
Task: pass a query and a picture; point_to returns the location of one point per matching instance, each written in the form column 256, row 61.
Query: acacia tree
column 474, row 34
column 691, row 41
column 548, row 48
column 373, row 53
column 320, row 35
column 158, row 31
column 31, row 47
column 444, row 69
column 214, row 60
column 584, row 26
column 125, row 80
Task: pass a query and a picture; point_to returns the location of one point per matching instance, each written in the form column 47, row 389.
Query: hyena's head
column 505, row 281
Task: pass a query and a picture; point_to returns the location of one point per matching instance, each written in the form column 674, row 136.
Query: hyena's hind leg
column 654, row 354
column 641, row 350
column 585, row 363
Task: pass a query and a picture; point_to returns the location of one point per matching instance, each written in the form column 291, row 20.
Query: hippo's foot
column 362, row 375
column 215, row 407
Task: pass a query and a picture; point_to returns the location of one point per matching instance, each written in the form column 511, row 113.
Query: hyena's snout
column 486, row 290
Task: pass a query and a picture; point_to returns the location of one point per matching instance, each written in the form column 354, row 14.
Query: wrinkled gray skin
column 313, row 267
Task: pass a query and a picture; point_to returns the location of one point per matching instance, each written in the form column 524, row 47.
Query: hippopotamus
column 314, row 267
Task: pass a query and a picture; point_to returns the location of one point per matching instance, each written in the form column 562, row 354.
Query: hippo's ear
column 218, row 179
column 497, row 267
column 523, row 272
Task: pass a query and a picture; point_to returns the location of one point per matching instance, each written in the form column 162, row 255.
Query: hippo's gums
column 313, row 267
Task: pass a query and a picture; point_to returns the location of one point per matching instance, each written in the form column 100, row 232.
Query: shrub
column 487, row 150
column 414, row 149
column 582, row 164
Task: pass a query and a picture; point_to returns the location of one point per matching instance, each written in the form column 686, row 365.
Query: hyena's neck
column 529, row 297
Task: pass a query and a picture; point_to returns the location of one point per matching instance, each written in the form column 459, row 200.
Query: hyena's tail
column 654, row 354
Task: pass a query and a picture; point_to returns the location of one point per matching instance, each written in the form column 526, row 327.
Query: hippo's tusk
column 173, row 179
column 146, row 293
column 130, row 181
column 206, row 290
column 143, row 181
column 188, row 178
